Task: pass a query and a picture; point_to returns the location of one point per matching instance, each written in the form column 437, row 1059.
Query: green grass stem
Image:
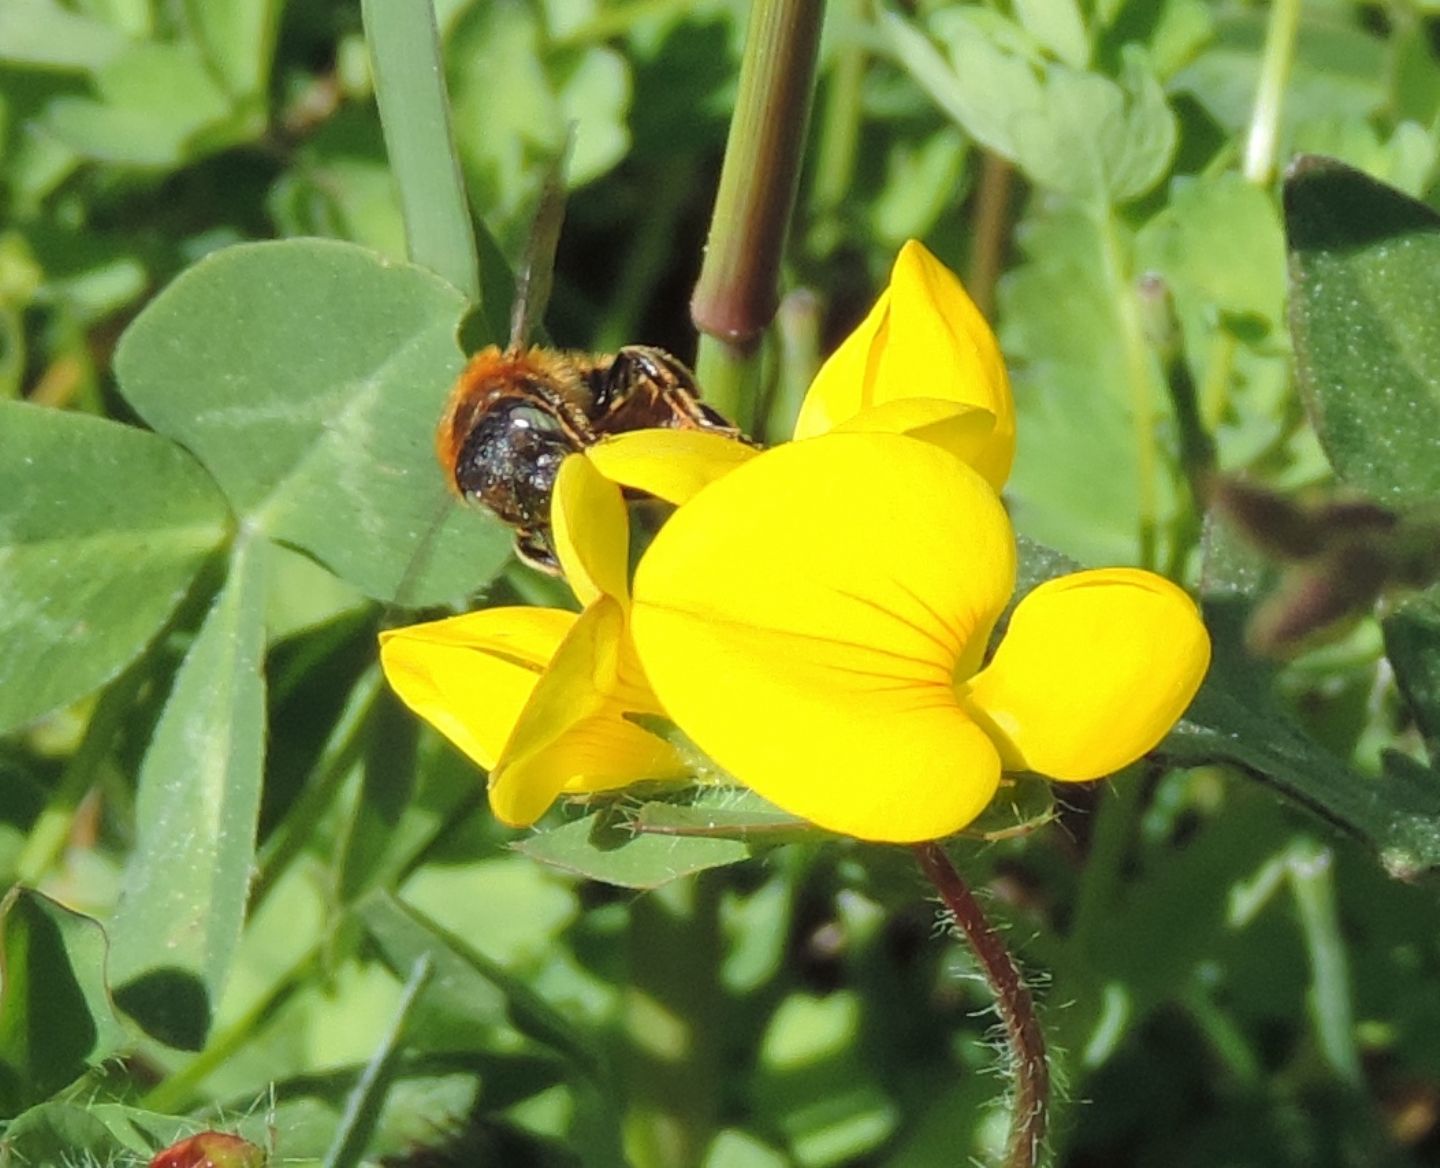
column 415, row 116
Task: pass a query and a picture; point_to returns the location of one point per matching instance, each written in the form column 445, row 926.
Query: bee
column 515, row 414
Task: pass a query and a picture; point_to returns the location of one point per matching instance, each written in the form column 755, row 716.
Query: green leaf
column 1071, row 131
column 1078, row 467
column 603, row 846
column 156, row 100
column 1058, row 26
column 1339, row 69
column 186, row 883
column 61, row 1134
column 56, row 1018
column 238, row 40
column 514, row 99
column 1236, row 720
column 1365, row 285
column 1412, row 643
column 102, row 530
column 1220, row 248
column 308, row 376
column 40, row 33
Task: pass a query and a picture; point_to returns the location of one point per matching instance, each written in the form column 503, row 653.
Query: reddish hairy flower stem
column 1030, row 1106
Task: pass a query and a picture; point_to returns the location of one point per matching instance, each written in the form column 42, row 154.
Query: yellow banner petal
column 673, row 465
column 965, row 431
column 923, row 338
column 592, row 531
column 845, row 384
column 470, row 676
column 1094, row 670
column 801, row 620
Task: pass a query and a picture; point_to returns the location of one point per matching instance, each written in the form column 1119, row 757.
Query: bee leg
column 532, row 546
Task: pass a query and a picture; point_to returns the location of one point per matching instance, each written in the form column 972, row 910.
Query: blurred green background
column 188, row 692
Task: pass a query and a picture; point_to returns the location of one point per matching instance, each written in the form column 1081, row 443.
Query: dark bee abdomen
column 509, row 461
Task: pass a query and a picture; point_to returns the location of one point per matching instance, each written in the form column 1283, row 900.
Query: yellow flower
column 537, row 696
column 923, row 363
column 827, row 650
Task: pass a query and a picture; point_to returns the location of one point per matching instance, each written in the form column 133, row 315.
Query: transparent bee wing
column 536, row 274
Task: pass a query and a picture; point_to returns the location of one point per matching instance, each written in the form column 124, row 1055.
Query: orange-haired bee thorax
column 514, row 415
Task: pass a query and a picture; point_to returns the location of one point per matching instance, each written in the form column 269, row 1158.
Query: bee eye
column 527, row 417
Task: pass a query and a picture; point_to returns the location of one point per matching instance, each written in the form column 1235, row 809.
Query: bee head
column 509, row 459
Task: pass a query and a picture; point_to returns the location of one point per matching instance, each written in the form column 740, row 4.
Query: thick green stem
column 798, row 333
column 738, row 290
column 1030, row 1105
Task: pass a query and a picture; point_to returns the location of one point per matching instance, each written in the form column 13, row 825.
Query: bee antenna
column 536, row 275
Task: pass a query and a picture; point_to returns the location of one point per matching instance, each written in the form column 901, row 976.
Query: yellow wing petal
column 672, row 465
column 1094, row 670
column 470, row 676
column 592, row 531
column 572, row 734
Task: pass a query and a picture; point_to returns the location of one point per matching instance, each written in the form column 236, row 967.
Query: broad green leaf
column 308, row 376
column 238, row 39
column 61, row 1134
column 1236, row 720
column 155, row 103
column 514, row 100
column 186, row 883
column 603, row 846
column 1405, row 160
column 1059, row 26
column 1071, row 131
column 1365, row 279
column 56, row 1018
column 102, row 530
column 1412, row 643
column 42, row 33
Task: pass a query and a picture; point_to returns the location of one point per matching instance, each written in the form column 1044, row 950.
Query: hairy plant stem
column 1030, row 1106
